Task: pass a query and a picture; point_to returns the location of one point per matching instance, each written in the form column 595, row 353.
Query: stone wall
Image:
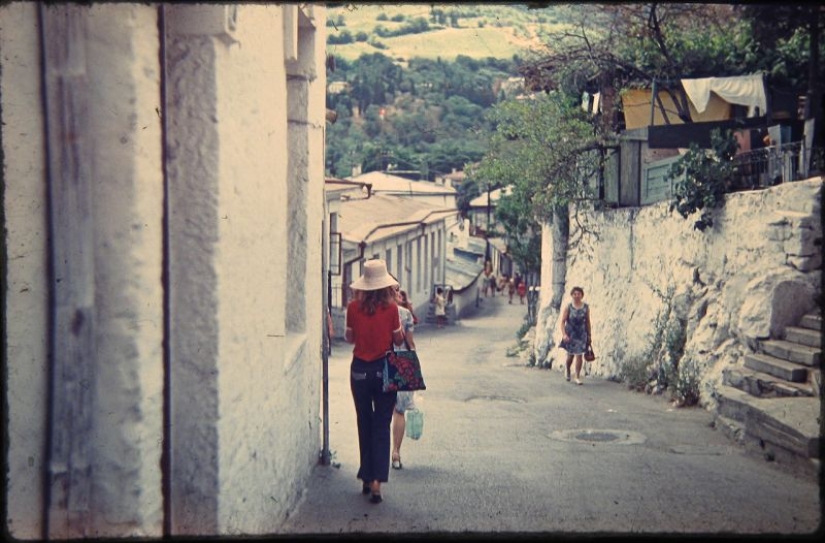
column 755, row 271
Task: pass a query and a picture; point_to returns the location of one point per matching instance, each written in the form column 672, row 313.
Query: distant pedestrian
column 373, row 326
column 406, row 398
column 485, row 282
column 522, row 291
column 575, row 327
column 407, row 303
column 440, row 307
column 511, row 288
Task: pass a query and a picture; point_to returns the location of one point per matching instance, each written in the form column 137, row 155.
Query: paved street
column 511, row 449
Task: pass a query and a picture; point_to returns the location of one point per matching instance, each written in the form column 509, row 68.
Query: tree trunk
column 561, row 238
column 560, row 233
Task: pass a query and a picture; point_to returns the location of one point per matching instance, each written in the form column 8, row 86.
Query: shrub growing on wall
column 702, row 178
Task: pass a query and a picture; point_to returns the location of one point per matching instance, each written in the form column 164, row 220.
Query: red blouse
column 372, row 334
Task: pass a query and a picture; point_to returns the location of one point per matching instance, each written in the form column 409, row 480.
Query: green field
column 485, row 30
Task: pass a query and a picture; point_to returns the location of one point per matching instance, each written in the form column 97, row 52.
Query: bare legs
column 569, row 362
column 399, row 424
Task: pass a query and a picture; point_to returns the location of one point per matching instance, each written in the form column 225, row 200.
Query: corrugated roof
column 383, row 182
column 379, row 216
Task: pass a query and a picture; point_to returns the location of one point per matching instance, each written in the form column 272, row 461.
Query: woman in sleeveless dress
column 575, row 327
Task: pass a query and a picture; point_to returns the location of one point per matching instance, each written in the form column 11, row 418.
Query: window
column 418, row 265
column 399, row 269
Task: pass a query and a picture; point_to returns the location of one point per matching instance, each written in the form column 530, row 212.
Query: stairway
column 772, row 404
column 451, row 314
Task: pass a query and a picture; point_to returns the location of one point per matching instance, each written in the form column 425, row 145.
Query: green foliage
column 434, row 113
column 635, row 373
column 662, row 366
column 544, row 148
column 416, row 26
column 703, row 177
column 345, row 36
column 780, row 41
column 686, row 386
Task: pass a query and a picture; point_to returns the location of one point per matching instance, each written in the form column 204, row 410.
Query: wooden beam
column 682, row 135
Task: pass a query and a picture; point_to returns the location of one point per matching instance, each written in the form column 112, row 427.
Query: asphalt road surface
column 508, row 449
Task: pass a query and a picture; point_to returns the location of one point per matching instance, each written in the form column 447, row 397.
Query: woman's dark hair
column 574, row 289
column 371, row 299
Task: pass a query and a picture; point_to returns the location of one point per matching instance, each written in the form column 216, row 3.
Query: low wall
column 755, row 271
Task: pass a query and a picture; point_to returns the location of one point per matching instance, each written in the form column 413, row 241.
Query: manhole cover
column 597, row 436
column 619, row 437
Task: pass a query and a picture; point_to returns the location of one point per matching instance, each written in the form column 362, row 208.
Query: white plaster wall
column 26, row 294
column 269, row 383
column 250, row 266
column 757, row 270
column 124, row 85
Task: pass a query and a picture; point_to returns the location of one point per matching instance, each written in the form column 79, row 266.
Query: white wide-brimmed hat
column 375, row 276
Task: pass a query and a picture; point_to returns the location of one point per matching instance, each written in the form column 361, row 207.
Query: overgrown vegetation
column 662, row 366
column 702, row 177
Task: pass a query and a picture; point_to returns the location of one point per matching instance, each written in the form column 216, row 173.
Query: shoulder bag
column 402, row 371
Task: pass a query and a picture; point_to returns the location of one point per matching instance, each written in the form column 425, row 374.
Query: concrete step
column 791, row 424
column 764, row 385
column 812, row 321
column 730, row 428
column 807, row 468
column 451, row 315
column 792, row 352
column 777, row 367
column 804, row 336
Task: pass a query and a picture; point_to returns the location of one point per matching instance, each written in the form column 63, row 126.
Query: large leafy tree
column 544, row 148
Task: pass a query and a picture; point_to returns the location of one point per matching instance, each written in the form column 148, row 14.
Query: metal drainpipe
column 166, row 450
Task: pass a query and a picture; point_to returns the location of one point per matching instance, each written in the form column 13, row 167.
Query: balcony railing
column 771, row 166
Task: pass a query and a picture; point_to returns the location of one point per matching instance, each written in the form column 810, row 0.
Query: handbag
column 589, row 355
column 415, row 423
column 402, row 371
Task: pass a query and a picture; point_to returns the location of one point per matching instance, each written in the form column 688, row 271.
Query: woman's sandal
column 365, row 489
column 376, row 498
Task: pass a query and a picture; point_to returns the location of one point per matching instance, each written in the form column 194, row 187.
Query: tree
column 617, row 46
column 546, row 149
column 788, row 36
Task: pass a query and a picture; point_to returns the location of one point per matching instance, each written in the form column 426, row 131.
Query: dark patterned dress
column 576, row 328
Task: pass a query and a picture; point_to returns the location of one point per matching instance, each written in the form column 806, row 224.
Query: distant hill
column 475, row 30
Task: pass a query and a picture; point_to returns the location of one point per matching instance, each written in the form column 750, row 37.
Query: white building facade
column 410, row 235
column 163, row 205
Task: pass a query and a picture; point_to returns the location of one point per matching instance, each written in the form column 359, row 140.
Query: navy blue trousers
column 373, row 409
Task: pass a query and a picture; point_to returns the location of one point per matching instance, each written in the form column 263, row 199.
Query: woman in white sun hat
column 373, row 326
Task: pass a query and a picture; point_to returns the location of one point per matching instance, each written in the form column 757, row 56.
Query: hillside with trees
column 411, row 84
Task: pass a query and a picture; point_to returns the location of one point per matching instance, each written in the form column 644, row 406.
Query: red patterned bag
column 402, row 371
